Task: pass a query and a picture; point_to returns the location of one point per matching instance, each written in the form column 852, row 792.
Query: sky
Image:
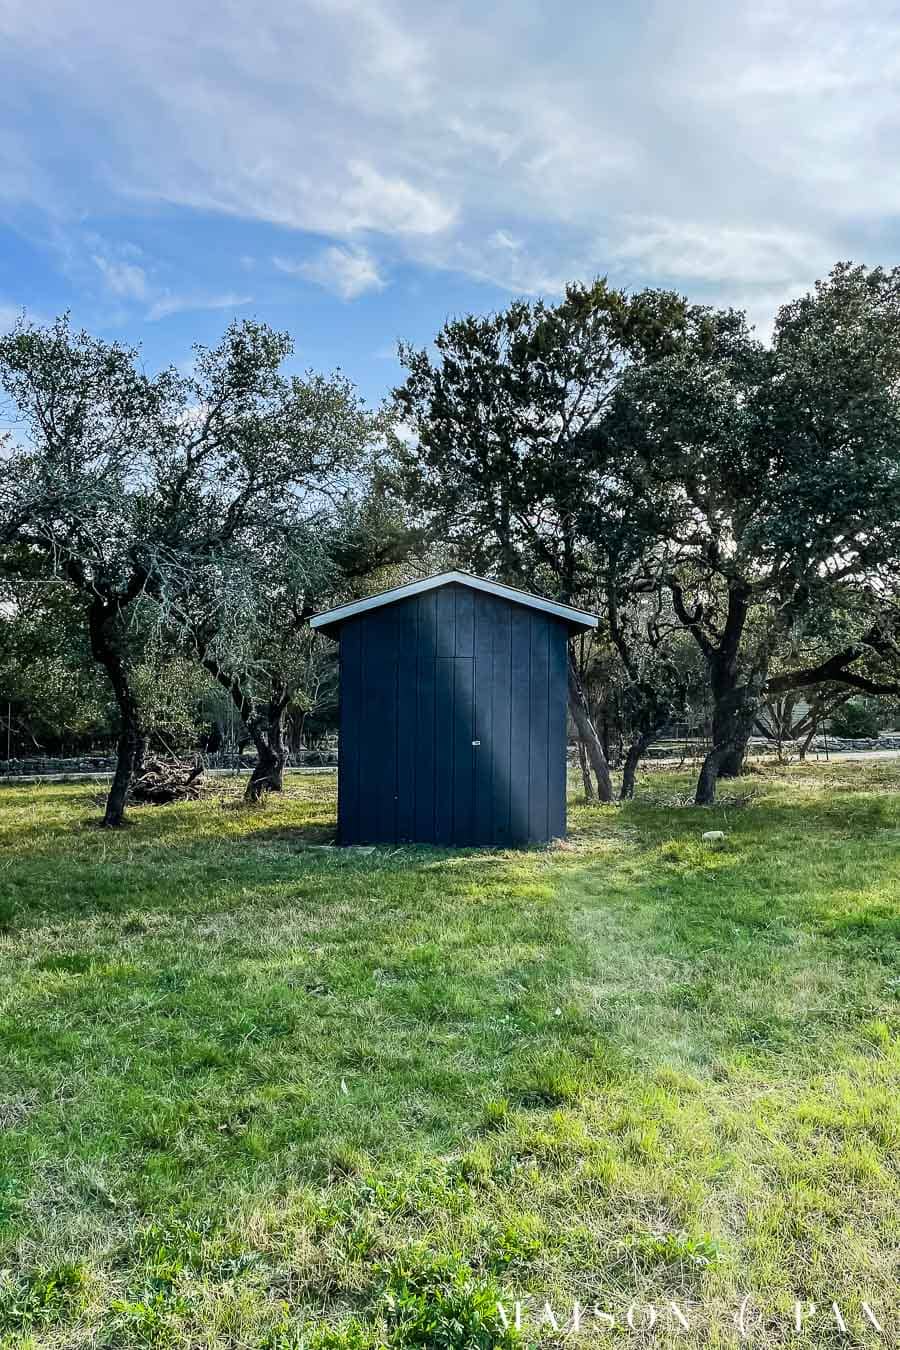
column 356, row 171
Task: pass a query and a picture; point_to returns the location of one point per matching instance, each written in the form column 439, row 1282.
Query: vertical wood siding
column 453, row 722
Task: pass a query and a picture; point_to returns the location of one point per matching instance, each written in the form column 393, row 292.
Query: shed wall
column 424, row 678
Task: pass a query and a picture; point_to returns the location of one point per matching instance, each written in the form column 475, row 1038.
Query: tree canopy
column 130, row 487
column 729, row 506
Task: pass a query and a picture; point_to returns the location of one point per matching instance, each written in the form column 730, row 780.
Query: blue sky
column 357, row 170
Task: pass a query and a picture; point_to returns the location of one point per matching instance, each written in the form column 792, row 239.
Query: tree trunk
column 271, row 755
column 730, row 728
column 706, row 783
column 586, row 731
column 736, row 711
column 264, row 722
column 132, row 739
column 589, row 793
column 129, row 760
column 807, row 742
column 732, row 762
column 632, row 760
column 735, row 706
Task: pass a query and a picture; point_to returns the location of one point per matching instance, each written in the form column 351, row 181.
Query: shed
column 453, row 696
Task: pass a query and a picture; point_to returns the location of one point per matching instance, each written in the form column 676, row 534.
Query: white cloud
column 168, row 304
column 128, row 280
column 707, row 252
column 377, row 201
column 124, row 279
column 504, row 240
column 348, row 272
column 736, row 148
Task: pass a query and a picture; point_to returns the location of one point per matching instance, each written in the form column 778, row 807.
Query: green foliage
column 502, row 417
column 674, row 1249
column 854, row 720
column 151, row 1321
column 518, row 1242
column 46, row 669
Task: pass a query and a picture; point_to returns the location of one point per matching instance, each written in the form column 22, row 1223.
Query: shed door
column 455, row 750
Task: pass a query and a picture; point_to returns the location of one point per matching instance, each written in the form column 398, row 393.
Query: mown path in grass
column 253, row 1094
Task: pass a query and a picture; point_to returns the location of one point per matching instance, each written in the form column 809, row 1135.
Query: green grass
column 257, row 1094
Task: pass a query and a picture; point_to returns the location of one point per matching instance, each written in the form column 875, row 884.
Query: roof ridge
column 577, row 618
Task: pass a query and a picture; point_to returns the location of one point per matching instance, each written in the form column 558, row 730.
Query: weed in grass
column 496, row 1113
column 154, row 1321
column 438, row 1304
column 520, row 1241
column 10, row 1201
column 42, row 1298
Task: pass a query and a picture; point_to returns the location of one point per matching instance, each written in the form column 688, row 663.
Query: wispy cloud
column 124, row 279
column 709, row 252
column 348, row 272
column 169, row 304
column 758, row 144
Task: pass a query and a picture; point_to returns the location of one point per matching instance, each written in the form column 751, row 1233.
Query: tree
column 770, row 484
column 797, row 715
column 658, row 684
column 126, row 483
column 244, row 615
column 500, row 417
column 69, row 508
column 50, row 690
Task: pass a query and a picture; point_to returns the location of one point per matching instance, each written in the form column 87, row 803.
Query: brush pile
column 170, row 780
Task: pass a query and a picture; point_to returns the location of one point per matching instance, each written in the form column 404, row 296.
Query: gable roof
column 331, row 619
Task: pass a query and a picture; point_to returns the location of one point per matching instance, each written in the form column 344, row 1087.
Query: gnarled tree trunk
column 725, row 732
column 632, row 760
column 271, row 753
column 732, row 762
column 737, row 710
column 736, row 705
column 264, row 721
column 132, row 740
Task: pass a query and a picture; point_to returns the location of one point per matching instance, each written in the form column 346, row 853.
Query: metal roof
column 577, row 619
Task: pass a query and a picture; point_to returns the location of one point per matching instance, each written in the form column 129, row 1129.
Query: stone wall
column 40, row 766
column 890, row 741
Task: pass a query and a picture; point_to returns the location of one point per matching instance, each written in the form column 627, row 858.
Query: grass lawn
column 254, row 1094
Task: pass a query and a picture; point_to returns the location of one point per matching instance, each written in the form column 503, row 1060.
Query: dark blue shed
column 452, row 713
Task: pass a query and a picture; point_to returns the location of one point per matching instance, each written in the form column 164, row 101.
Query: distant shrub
column 854, row 721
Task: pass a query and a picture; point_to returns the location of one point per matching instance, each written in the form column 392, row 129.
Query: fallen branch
column 164, row 781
